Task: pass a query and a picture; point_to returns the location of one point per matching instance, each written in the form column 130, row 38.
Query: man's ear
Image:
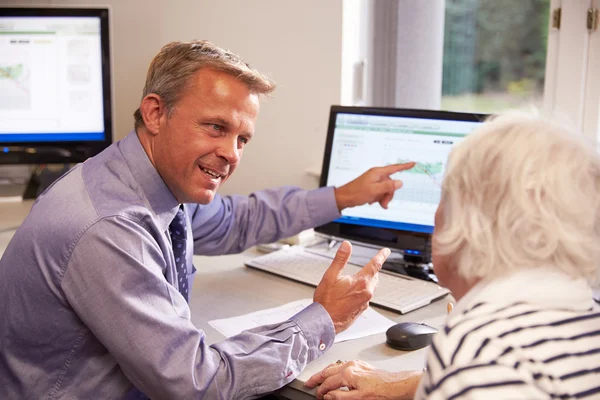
column 153, row 110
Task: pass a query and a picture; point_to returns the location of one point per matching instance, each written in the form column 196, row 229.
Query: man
column 516, row 240
column 94, row 284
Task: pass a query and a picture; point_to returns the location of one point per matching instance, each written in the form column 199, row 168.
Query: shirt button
column 322, row 346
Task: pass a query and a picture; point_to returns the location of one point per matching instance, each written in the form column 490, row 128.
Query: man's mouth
column 213, row 174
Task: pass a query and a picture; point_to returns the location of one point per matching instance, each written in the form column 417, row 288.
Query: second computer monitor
column 360, row 138
column 55, row 85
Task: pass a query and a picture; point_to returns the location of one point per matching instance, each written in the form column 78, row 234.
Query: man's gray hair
column 172, row 67
column 521, row 191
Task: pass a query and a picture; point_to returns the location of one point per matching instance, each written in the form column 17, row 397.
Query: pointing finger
column 387, row 186
column 374, row 266
column 339, row 261
column 392, row 169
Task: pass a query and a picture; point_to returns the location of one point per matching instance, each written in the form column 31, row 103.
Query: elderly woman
column 517, row 241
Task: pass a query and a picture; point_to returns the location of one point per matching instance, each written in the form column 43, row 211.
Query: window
column 494, row 54
column 473, row 55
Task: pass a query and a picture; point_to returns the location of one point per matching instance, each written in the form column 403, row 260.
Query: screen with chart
column 54, row 76
column 361, row 141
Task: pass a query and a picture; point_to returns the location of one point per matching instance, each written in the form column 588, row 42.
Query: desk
column 232, row 289
column 224, row 288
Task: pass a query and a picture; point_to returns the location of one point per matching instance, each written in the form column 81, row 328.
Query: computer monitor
column 359, row 138
column 55, row 85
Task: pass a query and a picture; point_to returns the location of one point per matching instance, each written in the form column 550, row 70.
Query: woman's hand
column 363, row 381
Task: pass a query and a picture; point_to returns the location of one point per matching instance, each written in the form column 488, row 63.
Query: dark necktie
column 178, row 238
column 177, row 232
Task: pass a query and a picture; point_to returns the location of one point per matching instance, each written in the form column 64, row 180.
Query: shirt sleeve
column 231, row 224
column 114, row 281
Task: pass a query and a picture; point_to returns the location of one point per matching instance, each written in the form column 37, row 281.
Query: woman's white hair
column 521, row 191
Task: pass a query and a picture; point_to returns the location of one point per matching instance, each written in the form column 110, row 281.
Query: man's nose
column 229, row 150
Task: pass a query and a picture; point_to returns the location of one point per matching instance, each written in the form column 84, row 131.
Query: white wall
column 298, row 44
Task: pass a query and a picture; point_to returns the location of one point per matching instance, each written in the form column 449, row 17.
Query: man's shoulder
column 112, row 190
column 90, row 192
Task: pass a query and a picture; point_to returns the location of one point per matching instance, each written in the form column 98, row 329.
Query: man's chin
column 203, row 193
column 204, row 197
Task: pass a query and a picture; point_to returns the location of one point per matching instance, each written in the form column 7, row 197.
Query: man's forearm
column 234, row 223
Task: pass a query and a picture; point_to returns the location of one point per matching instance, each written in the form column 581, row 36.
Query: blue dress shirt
column 89, row 300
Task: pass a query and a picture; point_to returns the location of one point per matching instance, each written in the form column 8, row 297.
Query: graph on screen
column 15, row 86
column 432, row 169
column 422, row 183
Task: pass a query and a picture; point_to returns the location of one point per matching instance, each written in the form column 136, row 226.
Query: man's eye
column 217, row 127
column 244, row 140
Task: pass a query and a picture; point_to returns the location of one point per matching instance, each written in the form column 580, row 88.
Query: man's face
column 201, row 143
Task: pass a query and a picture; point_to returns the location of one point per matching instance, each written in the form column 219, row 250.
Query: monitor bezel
column 395, row 238
column 38, row 152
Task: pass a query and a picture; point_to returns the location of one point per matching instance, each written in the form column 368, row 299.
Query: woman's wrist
column 405, row 384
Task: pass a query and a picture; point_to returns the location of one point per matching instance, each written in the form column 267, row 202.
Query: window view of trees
column 494, row 54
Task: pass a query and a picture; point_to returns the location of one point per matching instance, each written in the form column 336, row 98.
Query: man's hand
column 346, row 297
column 373, row 186
column 364, row 382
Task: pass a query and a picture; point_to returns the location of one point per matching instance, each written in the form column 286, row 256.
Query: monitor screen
column 360, row 138
column 54, row 84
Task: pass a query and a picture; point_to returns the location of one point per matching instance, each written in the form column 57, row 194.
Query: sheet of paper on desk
column 369, row 323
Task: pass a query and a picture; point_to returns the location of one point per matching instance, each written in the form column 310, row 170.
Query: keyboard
column 396, row 292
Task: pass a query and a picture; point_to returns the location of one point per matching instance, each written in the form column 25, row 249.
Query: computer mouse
column 409, row 336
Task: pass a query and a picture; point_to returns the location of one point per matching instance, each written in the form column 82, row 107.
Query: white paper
column 368, row 323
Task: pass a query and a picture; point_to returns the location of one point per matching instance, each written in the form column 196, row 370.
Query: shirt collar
column 151, row 185
column 544, row 286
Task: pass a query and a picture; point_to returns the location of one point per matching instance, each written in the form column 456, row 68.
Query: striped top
column 532, row 335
